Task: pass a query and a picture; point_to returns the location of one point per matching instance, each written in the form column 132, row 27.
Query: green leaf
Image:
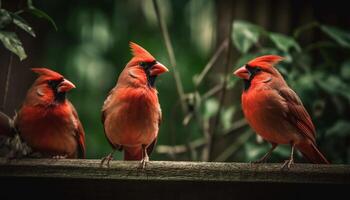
column 283, row 151
column 253, row 151
column 340, row 36
column 340, row 128
column 335, row 86
column 345, row 70
column 284, row 42
column 30, row 3
column 5, row 18
column 332, row 84
column 305, row 28
column 231, row 82
column 244, row 35
column 41, row 14
column 211, row 106
column 20, row 22
column 12, row 43
column 226, row 117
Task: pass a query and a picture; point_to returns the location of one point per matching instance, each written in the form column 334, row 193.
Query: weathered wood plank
column 175, row 171
column 84, row 179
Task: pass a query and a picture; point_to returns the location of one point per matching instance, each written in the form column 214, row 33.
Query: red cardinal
column 47, row 120
column 131, row 114
column 275, row 111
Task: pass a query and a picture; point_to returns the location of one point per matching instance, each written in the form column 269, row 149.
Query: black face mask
column 252, row 72
column 147, row 66
column 59, row 96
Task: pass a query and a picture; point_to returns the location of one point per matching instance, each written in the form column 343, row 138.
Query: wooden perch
column 184, row 180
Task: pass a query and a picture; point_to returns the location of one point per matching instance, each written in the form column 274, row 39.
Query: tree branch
column 7, row 84
column 178, row 149
column 171, row 55
column 211, row 62
column 234, row 147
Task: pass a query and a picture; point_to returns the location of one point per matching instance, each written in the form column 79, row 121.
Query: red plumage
column 275, row 111
column 265, row 61
column 131, row 113
column 47, row 121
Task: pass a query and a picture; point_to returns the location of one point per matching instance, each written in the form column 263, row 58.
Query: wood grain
column 175, row 171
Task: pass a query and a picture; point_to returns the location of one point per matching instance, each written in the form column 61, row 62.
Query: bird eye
column 54, row 83
column 253, row 70
column 142, row 64
column 249, row 68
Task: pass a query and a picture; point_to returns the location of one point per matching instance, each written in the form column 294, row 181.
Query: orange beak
column 65, row 86
column 157, row 69
column 242, row 73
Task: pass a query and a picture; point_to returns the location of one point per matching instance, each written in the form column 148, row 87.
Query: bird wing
column 103, row 118
column 79, row 133
column 105, row 105
column 297, row 114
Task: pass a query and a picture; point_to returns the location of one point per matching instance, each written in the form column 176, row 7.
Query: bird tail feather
column 311, row 152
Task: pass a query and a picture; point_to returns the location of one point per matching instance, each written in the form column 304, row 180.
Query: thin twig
column 206, row 151
column 211, row 62
column 234, row 147
column 236, row 125
column 172, row 135
column 319, row 45
column 207, row 137
column 213, row 91
column 8, row 76
column 171, row 55
column 178, row 149
column 223, row 94
column 304, row 28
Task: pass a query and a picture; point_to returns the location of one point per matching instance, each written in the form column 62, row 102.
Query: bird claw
column 287, row 164
column 144, row 162
column 106, row 159
column 60, row 157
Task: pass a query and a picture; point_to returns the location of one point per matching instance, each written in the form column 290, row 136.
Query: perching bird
column 47, row 120
column 131, row 113
column 275, row 111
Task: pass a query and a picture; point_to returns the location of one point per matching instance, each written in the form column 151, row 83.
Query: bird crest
column 265, row 61
column 46, row 72
column 140, row 52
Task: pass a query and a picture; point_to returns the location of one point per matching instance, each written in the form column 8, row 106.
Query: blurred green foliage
column 8, row 37
column 90, row 47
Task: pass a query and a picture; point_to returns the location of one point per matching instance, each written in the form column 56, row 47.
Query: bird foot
column 106, row 159
column 287, row 164
column 144, row 162
column 60, row 157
